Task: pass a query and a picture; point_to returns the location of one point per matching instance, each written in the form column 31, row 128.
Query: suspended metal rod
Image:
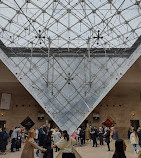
column 49, row 43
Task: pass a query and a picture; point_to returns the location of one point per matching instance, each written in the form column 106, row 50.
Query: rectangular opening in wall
column 135, row 123
column 2, row 124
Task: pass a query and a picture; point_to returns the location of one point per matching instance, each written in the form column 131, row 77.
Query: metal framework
column 69, row 53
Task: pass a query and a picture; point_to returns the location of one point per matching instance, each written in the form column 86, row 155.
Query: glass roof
column 70, row 23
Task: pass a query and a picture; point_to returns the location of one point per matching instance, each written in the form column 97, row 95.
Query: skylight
column 70, row 23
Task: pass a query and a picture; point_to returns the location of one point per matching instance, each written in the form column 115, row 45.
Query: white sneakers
column 137, row 151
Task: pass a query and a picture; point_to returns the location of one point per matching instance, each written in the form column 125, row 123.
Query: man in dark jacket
column 94, row 136
column 45, row 142
column 5, row 139
column 82, row 136
column 2, row 143
column 100, row 134
column 107, row 137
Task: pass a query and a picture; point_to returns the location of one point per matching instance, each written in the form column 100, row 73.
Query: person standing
column 139, row 135
column 36, row 135
column 43, row 136
column 100, row 134
column 2, row 150
column 18, row 140
column 82, row 136
column 78, row 135
column 134, row 140
column 13, row 138
column 107, row 137
column 47, row 145
column 10, row 132
column 56, row 137
column 94, row 136
column 66, row 145
column 87, row 133
column 30, row 145
column 114, row 137
column 5, row 140
column 129, row 132
column 120, row 148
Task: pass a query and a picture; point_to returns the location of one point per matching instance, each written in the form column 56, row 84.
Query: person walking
column 30, row 145
column 134, row 140
column 120, row 148
column 107, row 137
column 66, row 145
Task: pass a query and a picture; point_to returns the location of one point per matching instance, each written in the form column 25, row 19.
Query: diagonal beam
column 122, row 70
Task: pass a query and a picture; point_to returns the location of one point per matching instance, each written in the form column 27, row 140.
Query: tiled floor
column 87, row 151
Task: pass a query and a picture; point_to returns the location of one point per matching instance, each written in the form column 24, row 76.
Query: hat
column 27, row 123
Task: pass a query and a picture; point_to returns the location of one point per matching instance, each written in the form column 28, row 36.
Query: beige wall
column 120, row 114
column 16, row 114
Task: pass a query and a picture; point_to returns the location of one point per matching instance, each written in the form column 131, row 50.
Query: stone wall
column 20, row 108
column 120, row 110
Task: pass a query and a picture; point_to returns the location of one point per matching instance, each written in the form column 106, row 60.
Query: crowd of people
column 45, row 139
column 94, row 134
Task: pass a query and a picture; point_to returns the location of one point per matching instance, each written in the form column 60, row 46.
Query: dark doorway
column 135, row 124
column 2, row 124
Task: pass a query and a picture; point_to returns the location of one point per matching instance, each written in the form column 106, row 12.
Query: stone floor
column 87, row 151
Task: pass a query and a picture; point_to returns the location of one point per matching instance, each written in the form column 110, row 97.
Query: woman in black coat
column 120, row 148
column 107, row 137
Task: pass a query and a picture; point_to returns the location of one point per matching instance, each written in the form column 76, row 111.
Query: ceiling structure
column 69, row 53
column 70, row 23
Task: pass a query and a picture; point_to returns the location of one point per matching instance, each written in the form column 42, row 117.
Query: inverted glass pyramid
column 68, row 54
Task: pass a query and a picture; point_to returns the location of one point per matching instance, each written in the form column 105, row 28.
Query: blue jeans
column 134, row 146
